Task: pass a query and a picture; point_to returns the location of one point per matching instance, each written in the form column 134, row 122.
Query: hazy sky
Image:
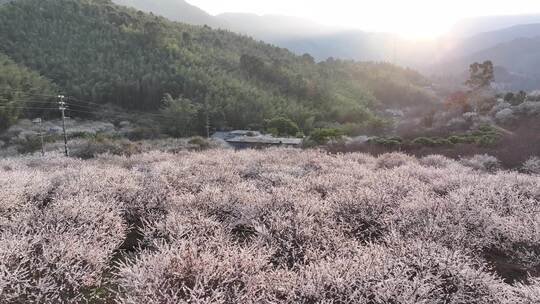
column 413, row 18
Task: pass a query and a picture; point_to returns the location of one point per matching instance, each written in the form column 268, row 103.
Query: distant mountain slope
column 176, row 10
column 469, row 37
column 272, row 26
column 518, row 63
column 483, row 41
column 521, row 55
column 304, row 36
column 101, row 52
column 477, row 25
column 296, row 34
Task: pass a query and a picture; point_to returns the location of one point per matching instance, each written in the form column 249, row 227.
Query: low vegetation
column 485, row 136
column 280, row 226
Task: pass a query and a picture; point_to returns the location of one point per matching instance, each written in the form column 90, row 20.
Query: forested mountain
column 270, row 27
column 477, row 25
column 100, row 52
column 521, row 54
column 517, row 62
column 176, row 10
column 296, row 34
column 454, row 49
column 20, row 87
column 487, row 40
column 323, row 41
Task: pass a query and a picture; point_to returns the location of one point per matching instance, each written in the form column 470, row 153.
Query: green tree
column 282, row 126
column 179, row 116
column 322, row 136
column 23, row 93
column 481, row 75
column 308, row 58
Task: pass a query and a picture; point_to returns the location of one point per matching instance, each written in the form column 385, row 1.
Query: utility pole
column 207, row 119
column 207, row 125
column 40, row 122
column 62, row 108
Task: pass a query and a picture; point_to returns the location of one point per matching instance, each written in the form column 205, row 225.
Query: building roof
column 265, row 139
column 255, row 137
column 232, row 134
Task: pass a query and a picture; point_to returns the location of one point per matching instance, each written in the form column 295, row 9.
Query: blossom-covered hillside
column 279, row 226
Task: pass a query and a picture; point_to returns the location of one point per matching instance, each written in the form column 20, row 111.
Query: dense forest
column 103, row 53
column 19, row 88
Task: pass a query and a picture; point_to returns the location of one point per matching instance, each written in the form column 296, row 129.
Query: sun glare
column 416, row 19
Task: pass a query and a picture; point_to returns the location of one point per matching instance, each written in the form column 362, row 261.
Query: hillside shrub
column 532, row 166
column 102, row 145
column 431, row 142
column 28, row 145
column 435, row 161
column 482, row 162
column 323, row 136
column 393, row 160
column 387, row 141
column 281, row 126
column 144, row 133
column 200, row 142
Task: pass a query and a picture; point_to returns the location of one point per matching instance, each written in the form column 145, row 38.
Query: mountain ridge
column 100, row 52
column 176, row 10
column 467, row 38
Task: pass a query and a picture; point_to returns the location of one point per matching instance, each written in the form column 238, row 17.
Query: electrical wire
column 31, row 94
column 28, row 108
column 79, row 103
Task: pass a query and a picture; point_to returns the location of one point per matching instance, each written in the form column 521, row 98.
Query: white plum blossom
column 273, row 226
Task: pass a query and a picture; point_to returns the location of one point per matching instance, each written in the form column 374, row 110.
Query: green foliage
column 180, row 115
column 281, row 126
column 102, row 145
column 386, row 141
column 386, row 83
column 104, row 53
column 201, row 142
column 481, row 75
column 485, row 135
column 424, row 141
column 323, row 136
column 17, row 88
column 144, row 132
column 515, row 99
column 28, row 145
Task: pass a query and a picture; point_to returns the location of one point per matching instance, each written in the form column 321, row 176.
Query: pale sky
column 412, row 18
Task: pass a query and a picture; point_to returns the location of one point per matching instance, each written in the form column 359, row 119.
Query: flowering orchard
column 278, row 226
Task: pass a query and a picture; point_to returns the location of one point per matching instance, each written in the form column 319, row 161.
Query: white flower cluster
column 274, row 226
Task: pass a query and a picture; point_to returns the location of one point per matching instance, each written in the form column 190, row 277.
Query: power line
column 83, row 101
column 30, row 94
column 76, row 102
column 28, row 108
column 78, row 111
column 72, row 110
column 128, row 110
column 38, row 102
